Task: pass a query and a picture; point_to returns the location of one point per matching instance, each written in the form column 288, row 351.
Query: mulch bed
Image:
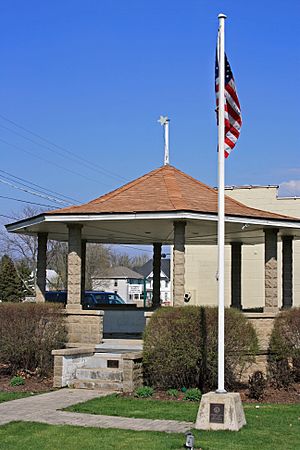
column 272, row 395
column 33, row 383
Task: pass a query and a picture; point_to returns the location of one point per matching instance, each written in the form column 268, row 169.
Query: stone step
column 111, row 386
column 104, row 374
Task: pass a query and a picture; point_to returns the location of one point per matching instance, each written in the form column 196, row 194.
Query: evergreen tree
column 10, row 285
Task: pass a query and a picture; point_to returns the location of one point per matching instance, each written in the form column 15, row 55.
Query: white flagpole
column 165, row 121
column 167, row 151
column 221, row 202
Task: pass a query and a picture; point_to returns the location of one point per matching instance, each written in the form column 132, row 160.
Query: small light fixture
column 190, row 440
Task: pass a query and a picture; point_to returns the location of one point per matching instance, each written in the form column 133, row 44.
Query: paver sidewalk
column 44, row 408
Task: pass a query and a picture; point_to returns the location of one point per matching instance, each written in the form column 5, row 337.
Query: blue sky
column 94, row 76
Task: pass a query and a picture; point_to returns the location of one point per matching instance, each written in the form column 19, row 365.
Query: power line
column 37, row 194
column 51, row 162
column 24, row 201
column 8, row 217
column 91, row 165
column 38, row 186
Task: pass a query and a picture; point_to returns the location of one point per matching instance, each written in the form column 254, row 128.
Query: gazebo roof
column 144, row 210
column 164, row 189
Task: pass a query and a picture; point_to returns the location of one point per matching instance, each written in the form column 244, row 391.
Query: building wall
column 201, row 261
column 109, row 286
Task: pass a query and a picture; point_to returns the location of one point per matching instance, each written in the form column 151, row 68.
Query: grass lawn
column 114, row 405
column 269, row 427
column 7, row 396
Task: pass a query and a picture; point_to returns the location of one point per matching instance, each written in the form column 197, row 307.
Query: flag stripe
column 232, row 113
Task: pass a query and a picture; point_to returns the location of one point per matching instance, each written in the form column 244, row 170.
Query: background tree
column 10, row 284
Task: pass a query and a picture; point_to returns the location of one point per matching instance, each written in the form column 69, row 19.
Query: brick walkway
column 44, row 408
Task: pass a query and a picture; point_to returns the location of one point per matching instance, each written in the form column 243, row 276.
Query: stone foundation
column 84, row 327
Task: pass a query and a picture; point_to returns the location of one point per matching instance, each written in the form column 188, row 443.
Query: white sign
column 135, row 288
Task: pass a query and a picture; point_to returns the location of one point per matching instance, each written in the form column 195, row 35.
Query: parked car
column 91, row 300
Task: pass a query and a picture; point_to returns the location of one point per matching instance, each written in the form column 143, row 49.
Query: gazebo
column 165, row 206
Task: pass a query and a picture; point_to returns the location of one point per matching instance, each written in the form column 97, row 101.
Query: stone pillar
column 156, row 274
column 236, row 275
column 179, row 264
column 271, row 283
column 74, row 267
column 287, row 271
column 40, row 285
column 83, row 266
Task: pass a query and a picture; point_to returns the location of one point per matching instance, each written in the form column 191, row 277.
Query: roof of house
column 147, row 268
column 117, row 272
column 165, row 189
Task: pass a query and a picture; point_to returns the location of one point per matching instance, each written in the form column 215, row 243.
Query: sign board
column 135, row 289
column 216, row 413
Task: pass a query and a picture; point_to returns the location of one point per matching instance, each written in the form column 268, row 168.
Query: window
column 116, row 283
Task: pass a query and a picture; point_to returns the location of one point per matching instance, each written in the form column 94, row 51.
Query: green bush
column 284, row 360
column 180, row 347
column 144, row 391
column 193, row 395
column 173, row 393
column 28, row 334
column 257, row 385
column 17, row 381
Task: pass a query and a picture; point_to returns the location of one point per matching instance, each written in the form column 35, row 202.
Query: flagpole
column 166, row 127
column 221, row 202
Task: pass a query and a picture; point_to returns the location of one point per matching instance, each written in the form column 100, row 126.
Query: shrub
column 193, row 395
column 144, row 391
column 28, row 334
column 284, row 360
column 257, row 385
column 17, row 381
column 180, row 347
column 173, row 392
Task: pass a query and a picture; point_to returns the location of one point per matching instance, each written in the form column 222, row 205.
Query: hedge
column 284, row 360
column 180, row 347
column 28, row 334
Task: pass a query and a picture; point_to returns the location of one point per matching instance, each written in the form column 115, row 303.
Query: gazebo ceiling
column 143, row 212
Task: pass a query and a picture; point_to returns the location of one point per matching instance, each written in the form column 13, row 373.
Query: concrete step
column 102, row 360
column 99, row 374
column 111, row 386
column 120, row 344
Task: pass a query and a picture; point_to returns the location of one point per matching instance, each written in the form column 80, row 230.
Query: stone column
column 40, row 285
column 179, row 264
column 83, row 266
column 74, row 267
column 156, row 274
column 236, row 275
column 271, row 284
column 287, row 271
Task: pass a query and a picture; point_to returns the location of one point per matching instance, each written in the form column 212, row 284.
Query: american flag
column 233, row 118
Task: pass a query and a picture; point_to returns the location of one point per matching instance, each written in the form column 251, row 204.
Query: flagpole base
column 220, row 411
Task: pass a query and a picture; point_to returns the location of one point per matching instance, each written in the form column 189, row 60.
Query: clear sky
column 94, row 76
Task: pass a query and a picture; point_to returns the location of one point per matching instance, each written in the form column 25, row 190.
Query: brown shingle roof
column 165, row 189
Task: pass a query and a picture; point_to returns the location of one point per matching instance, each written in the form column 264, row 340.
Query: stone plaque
column 216, row 413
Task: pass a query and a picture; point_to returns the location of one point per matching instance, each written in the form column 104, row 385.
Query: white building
column 165, row 285
column 120, row 280
column 201, row 262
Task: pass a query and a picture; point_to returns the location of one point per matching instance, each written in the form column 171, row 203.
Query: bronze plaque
column 216, row 413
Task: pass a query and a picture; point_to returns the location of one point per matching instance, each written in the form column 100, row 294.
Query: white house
column 120, row 280
column 165, row 285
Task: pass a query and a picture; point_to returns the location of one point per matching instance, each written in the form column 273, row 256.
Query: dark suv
column 91, row 300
